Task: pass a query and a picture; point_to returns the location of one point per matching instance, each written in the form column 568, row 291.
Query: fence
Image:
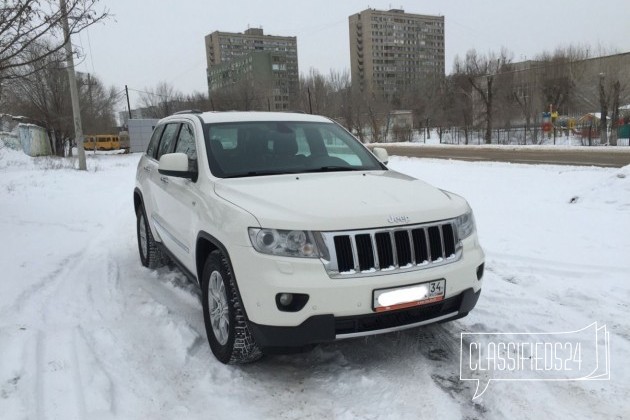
column 580, row 136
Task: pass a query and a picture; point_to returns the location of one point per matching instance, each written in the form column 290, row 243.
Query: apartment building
column 264, row 65
column 392, row 50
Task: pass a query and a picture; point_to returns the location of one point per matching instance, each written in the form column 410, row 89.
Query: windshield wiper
column 260, row 173
column 333, row 169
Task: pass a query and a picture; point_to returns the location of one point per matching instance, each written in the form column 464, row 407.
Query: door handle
column 164, row 179
column 147, row 169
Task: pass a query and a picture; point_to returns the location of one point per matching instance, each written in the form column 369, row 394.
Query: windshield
column 277, row 147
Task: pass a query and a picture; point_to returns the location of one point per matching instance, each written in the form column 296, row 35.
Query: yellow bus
column 101, row 142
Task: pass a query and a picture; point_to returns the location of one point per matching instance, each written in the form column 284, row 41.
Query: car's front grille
column 369, row 252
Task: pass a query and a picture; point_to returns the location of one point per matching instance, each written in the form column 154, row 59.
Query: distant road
column 615, row 157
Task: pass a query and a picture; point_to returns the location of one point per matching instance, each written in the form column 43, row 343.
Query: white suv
column 298, row 234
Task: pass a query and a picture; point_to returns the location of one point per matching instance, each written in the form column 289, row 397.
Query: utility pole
column 74, row 94
column 128, row 106
column 310, row 104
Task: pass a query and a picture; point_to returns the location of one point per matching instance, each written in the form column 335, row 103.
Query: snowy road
column 87, row 333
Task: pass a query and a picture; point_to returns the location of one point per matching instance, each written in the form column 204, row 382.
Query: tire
column 150, row 254
column 228, row 333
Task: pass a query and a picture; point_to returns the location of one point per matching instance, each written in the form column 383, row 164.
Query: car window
column 186, row 144
column 279, row 147
column 168, row 139
column 336, row 147
column 155, row 140
column 302, row 142
column 227, row 137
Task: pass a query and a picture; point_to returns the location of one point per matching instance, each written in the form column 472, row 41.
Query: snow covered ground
column 86, row 332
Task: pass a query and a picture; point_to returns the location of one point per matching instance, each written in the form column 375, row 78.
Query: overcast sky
column 148, row 41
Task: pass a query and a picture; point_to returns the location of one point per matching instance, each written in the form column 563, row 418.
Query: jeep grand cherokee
column 297, row 234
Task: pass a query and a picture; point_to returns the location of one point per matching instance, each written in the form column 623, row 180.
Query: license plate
column 408, row 296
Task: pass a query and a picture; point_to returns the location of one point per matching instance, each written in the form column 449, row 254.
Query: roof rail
column 188, row 111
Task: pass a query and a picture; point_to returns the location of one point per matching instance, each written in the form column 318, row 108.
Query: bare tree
column 523, row 95
column 97, row 104
column 377, row 112
column 196, row 100
column 561, row 73
column 482, row 72
column 608, row 101
column 425, row 99
column 315, row 93
column 44, row 97
column 242, row 95
column 161, row 101
column 28, row 23
column 459, row 97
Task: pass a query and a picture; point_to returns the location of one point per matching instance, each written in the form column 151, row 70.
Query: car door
column 147, row 168
column 158, row 184
column 180, row 197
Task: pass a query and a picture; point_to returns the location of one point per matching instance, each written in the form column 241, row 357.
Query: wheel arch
column 204, row 245
column 137, row 200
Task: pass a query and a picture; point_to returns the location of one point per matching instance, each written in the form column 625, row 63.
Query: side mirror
column 381, row 154
column 176, row 164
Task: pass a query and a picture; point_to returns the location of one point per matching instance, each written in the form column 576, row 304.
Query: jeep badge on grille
column 398, row 219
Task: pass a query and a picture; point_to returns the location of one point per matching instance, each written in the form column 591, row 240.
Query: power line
column 87, row 30
column 149, row 93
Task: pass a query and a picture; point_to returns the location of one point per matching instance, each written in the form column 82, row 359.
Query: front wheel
column 228, row 333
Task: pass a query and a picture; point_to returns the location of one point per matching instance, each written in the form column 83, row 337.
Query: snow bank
column 86, row 332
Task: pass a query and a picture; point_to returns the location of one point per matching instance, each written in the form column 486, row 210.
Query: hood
column 340, row 200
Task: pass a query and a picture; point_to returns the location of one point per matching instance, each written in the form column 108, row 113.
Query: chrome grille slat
column 386, row 250
column 428, row 242
column 355, row 255
column 392, row 239
column 442, row 241
column 412, row 250
column 377, row 264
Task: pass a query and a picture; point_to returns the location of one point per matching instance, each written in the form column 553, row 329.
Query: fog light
column 291, row 302
column 285, row 299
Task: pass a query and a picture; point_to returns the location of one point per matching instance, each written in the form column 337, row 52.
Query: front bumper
column 326, row 328
column 260, row 278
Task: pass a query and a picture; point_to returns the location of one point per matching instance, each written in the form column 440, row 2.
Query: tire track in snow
column 44, row 286
column 69, row 382
column 59, row 387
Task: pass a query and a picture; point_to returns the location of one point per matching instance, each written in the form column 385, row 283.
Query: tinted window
column 168, row 139
column 280, row 147
column 186, row 144
column 155, row 139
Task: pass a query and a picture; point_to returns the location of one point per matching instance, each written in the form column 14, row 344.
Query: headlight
column 289, row 243
column 465, row 225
